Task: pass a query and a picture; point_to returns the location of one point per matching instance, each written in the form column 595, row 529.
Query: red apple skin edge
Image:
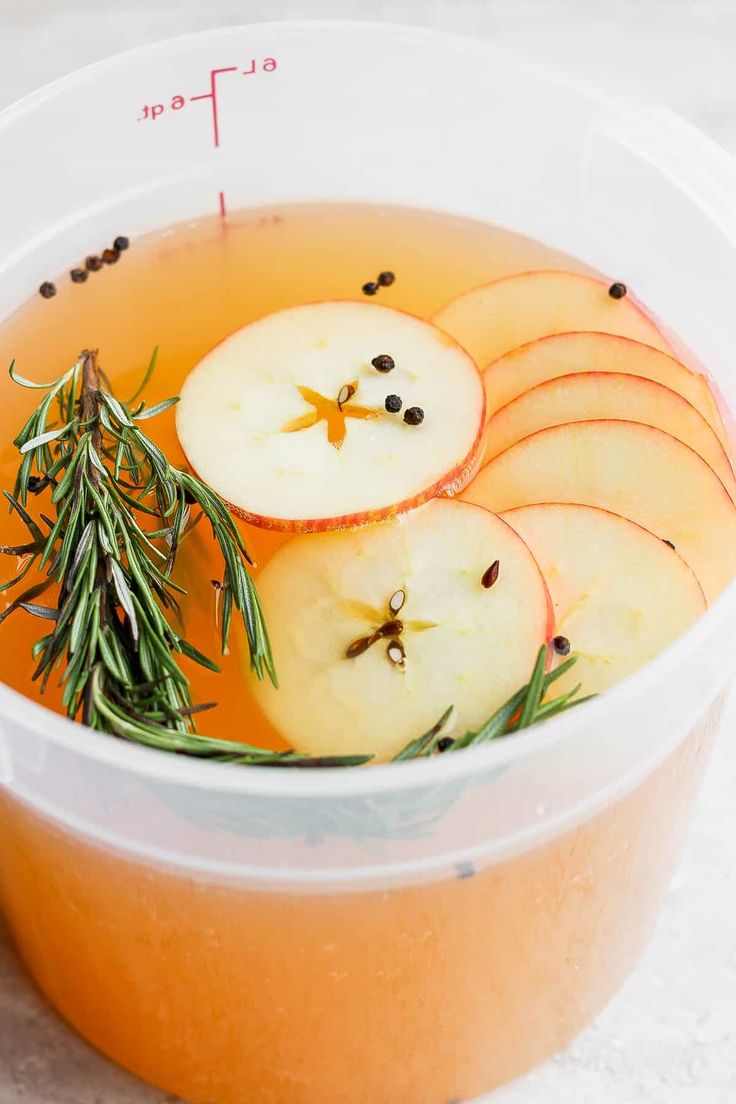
column 447, row 485
column 688, row 361
column 635, row 524
column 679, row 350
column 727, row 417
column 667, row 333
column 682, row 352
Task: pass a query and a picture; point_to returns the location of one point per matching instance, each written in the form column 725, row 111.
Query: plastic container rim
column 382, row 778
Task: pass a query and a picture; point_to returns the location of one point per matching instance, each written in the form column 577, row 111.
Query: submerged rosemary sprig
column 119, row 513
column 524, row 708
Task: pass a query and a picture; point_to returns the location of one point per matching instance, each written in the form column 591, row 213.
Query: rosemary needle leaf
column 496, row 724
column 193, row 653
column 46, row 612
column 561, row 705
column 147, row 375
column 558, row 672
column 535, row 691
column 16, row 378
column 27, row 596
column 152, row 411
column 20, row 576
column 118, row 412
column 30, row 524
column 424, row 744
column 42, row 439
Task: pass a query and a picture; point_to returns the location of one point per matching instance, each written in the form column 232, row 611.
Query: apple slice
column 630, row 469
column 344, row 608
column 497, row 317
column 287, row 418
column 620, row 595
column 571, row 353
column 592, row 396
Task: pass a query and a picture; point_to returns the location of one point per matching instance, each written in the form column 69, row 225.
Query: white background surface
column 670, row 1036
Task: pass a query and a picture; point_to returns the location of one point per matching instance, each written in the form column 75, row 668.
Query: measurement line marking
column 223, row 206
column 212, row 95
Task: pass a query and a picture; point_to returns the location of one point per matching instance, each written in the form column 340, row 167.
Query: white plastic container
column 267, row 936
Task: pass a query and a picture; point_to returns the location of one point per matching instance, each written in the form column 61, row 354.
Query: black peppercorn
column 445, row 743
column 617, row 290
column 110, row 256
column 383, row 362
column 385, row 279
column 47, row 289
column 393, row 404
column 78, row 275
column 414, row 416
column 93, row 264
column 370, row 288
column 561, row 645
column 121, row 243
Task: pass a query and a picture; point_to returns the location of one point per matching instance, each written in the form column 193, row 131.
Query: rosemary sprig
column 524, row 708
column 120, row 511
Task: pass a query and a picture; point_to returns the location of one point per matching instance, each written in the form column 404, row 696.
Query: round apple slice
column 377, row 631
column 571, row 353
column 630, row 469
column 287, row 419
column 497, row 317
column 592, row 396
column 620, row 595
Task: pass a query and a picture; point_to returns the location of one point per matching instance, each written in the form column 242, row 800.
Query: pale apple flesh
column 620, row 595
column 571, row 353
column 287, row 420
column 491, row 320
column 464, row 644
column 630, row 469
column 592, row 396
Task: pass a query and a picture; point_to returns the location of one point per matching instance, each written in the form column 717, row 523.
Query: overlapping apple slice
column 491, row 320
column 376, row 631
column 630, row 469
column 620, row 595
column 288, row 418
column 571, row 353
column 592, row 396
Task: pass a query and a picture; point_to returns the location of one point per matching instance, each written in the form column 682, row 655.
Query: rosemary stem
column 90, row 405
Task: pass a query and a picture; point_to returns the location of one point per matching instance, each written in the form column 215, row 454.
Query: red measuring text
column 152, row 111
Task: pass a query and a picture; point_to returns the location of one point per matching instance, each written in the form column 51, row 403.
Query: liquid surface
column 184, row 289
